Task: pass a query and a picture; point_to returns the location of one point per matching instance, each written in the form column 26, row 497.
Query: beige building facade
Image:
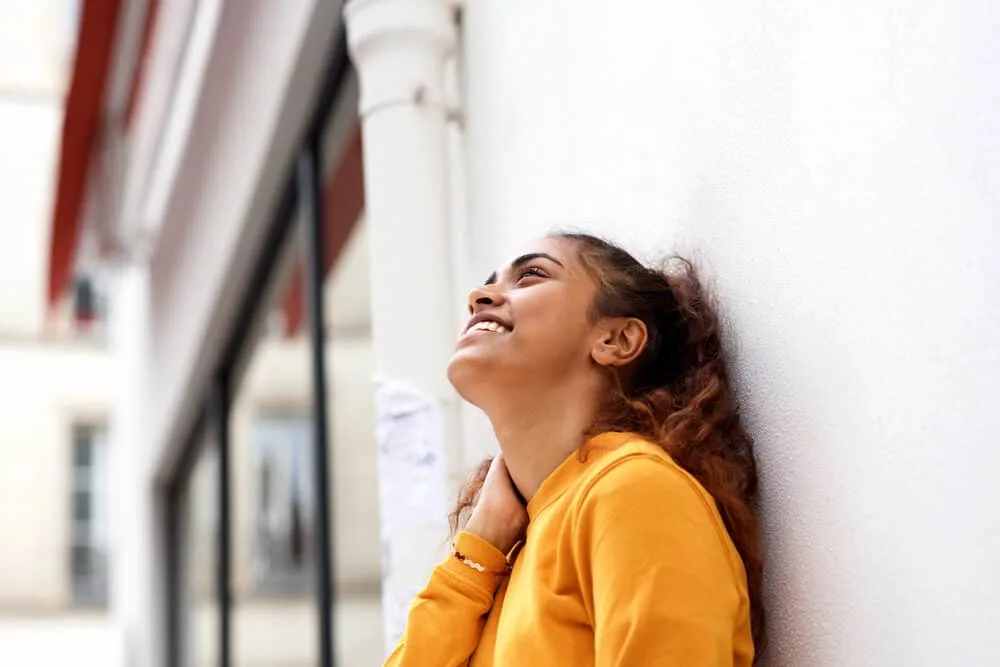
column 55, row 387
column 211, row 401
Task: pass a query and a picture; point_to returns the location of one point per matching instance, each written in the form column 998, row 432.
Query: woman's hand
column 499, row 516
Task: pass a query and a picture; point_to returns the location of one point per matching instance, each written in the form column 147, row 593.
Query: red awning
column 81, row 126
column 85, row 108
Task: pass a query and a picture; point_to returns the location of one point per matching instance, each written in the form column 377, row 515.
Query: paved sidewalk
column 81, row 639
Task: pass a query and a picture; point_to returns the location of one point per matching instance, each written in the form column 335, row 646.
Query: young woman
column 617, row 525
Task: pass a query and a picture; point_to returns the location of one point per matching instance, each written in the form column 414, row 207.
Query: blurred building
column 177, row 180
column 832, row 168
column 55, row 382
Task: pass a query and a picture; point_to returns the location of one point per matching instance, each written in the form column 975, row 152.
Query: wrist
column 494, row 530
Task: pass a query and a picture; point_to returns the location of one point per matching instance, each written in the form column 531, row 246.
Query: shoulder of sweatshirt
column 639, row 478
column 630, row 467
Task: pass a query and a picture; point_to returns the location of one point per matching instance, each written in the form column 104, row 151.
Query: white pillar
column 399, row 48
column 133, row 516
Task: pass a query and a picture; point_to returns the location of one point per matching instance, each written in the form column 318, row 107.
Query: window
column 263, row 507
column 89, row 306
column 273, row 565
column 284, row 517
column 199, row 637
column 89, row 516
column 81, row 314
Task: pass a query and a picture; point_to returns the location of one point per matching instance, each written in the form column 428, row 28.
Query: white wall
column 36, row 45
column 44, row 391
column 28, row 133
column 35, row 49
column 835, row 167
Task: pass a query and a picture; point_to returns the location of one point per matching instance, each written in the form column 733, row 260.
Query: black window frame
column 301, row 192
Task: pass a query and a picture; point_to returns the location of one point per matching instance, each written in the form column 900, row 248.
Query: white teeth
column 489, row 326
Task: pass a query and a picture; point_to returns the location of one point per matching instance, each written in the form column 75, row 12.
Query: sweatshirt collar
column 569, row 471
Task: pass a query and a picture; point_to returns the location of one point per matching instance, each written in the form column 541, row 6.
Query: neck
column 540, row 432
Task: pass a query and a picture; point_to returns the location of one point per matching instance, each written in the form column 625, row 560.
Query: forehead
column 562, row 250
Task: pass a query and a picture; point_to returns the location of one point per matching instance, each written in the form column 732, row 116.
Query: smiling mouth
column 487, row 327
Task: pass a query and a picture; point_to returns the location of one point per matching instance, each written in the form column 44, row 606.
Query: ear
column 620, row 341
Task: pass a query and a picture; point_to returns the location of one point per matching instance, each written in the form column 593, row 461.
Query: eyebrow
column 524, row 259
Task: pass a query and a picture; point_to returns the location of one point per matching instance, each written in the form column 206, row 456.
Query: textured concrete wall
column 835, row 170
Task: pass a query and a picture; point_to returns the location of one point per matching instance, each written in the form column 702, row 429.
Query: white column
column 399, row 48
column 133, row 517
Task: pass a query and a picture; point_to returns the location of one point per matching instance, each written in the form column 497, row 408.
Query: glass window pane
column 89, row 513
column 274, row 617
column 82, row 562
column 81, row 505
column 82, row 447
column 198, row 551
column 283, row 540
column 353, row 458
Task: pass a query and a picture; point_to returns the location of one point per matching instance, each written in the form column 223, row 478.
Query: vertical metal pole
column 311, row 205
column 218, row 423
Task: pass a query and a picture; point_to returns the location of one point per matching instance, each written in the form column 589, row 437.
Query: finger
column 495, row 465
column 501, row 465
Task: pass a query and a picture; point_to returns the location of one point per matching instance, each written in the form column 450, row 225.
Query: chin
column 471, row 374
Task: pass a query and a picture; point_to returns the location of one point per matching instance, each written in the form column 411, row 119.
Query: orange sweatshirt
column 626, row 564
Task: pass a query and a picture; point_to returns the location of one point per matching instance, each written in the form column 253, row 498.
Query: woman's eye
column 529, row 272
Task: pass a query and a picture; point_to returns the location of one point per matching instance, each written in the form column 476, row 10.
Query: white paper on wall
column 412, row 488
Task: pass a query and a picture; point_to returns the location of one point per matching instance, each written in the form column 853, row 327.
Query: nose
column 484, row 297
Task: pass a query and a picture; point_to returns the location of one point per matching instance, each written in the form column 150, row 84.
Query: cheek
column 552, row 325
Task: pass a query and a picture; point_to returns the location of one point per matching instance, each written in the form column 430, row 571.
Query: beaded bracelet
column 479, row 567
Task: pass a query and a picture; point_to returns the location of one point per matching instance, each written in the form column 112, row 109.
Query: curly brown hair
column 677, row 393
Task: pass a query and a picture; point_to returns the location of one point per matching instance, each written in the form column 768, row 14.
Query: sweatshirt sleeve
column 447, row 617
column 660, row 579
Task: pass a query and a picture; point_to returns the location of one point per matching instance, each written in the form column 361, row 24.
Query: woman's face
column 530, row 326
